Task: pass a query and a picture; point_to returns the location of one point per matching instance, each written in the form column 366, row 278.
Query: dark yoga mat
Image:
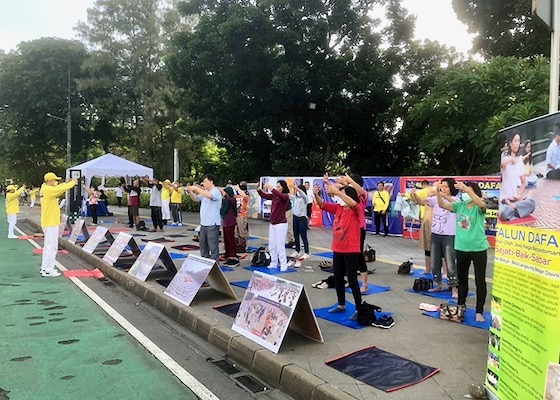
column 381, row 369
column 186, row 247
column 158, row 240
column 228, row 309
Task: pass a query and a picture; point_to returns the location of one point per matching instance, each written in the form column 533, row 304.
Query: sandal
column 428, row 307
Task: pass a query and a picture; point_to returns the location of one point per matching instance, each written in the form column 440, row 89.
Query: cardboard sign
column 64, row 225
column 146, row 261
column 101, row 233
column 194, row 271
column 267, row 309
column 79, row 227
column 116, row 249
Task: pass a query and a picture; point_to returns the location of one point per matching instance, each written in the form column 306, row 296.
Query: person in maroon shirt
column 278, row 224
column 346, row 241
column 228, row 211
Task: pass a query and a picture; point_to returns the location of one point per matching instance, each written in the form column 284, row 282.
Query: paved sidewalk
column 459, row 351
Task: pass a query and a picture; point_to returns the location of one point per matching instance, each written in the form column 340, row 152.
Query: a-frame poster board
column 99, row 235
column 64, row 225
column 150, row 255
column 192, row 274
column 285, row 304
column 79, row 227
column 118, row 246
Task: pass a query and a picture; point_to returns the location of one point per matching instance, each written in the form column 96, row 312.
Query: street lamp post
column 68, row 121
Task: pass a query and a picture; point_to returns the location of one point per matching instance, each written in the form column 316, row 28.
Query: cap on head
column 51, row 176
column 10, row 188
column 167, row 181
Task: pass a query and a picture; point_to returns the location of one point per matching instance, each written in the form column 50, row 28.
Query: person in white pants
column 50, row 220
column 165, row 199
column 12, row 208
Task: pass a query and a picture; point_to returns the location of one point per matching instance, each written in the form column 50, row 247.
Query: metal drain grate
column 226, row 367
column 250, row 384
column 107, row 282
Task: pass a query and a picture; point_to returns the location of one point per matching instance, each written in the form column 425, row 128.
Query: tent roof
column 110, row 165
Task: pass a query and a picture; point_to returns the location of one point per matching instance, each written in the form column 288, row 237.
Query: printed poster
column 117, row 248
column 524, row 344
column 63, row 224
column 188, row 280
column 76, row 230
column 97, row 237
column 146, row 261
column 266, row 310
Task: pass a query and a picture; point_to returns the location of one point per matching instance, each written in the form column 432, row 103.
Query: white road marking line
column 188, row 380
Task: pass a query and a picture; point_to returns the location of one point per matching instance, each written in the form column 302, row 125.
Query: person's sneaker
column 303, row 256
column 174, row 224
column 295, row 254
column 232, row 262
column 12, row 237
column 297, row 264
column 385, row 322
column 50, row 274
column 179, row 224
column 291, row 245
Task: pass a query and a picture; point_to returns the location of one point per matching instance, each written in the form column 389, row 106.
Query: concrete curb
column 275, row 370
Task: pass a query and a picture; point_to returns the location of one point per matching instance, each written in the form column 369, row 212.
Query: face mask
column 466, row 198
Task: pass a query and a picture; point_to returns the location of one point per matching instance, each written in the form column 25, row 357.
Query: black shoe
column 291, row 245
column 384, row 322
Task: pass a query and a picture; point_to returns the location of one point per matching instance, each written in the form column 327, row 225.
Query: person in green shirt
column 470, row 242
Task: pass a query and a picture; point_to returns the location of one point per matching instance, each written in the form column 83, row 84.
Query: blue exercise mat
column 444, row 295
column 326, row 254
column 270, row 271
column 225, row 269
column 469, row 320
column 341, row 318
column 175, row 256
column 372, row 289
column 252, row 238
column 252, row 249
column 241, row 284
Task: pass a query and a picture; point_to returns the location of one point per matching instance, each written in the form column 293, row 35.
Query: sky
column 23, row 20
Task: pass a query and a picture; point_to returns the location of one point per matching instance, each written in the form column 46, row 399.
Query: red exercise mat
column 40, row 251
column 83, row 273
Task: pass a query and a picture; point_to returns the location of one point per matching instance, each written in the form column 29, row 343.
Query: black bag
column 366, row 316
column 141, row 226
column 369, row 253
column 422, row 284
column 261, row 258
column 405, row 268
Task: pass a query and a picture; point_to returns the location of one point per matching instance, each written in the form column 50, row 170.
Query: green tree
column 33, row 83
column 457, row 122
column 504, row 27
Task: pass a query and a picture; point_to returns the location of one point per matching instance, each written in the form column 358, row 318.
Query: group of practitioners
column 456, row 225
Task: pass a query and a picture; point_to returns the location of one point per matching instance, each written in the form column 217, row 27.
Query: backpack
column 142, row 226
column 405, row 268
column 366, row 316
column 422, row 284
column 261, row 258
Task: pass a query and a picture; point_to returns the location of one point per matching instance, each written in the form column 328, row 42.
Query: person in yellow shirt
column 50, row 220
column 176, row 200
column 12, row 208
column 380, row 201
column 33, row 196
column 165, row 200
column 426, row 212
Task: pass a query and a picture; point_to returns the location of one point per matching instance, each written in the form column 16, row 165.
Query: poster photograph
column 266, row 310
column 188, row 280
column 63, row 223
column 76, row 230
column 117, row 248
column 525, row 301
column 97, row 237
column 146, row 261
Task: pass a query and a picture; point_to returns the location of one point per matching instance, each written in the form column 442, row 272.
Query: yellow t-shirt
column 12, row 201
column 423, row 194
column 380, row 200
column 33, row 194
column 165, row 193
column 50, row 211
column 177, row 195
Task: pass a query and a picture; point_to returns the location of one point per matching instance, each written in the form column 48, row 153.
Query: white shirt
column 118, row 191
column 553, row 155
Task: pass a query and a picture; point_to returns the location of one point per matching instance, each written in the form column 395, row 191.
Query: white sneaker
column 304, row 256
column 50, row 274
column 174, row 224
column 12, row 237
column 295, row 254
column 297, row 264
column 179, row 224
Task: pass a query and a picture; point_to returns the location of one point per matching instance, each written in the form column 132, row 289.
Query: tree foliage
column 504, row 27
column 457, row 122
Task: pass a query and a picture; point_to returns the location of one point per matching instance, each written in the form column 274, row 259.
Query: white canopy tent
column 110, row 166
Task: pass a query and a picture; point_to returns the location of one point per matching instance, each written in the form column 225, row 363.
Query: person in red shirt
column 346, row 241
column 278, row 224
